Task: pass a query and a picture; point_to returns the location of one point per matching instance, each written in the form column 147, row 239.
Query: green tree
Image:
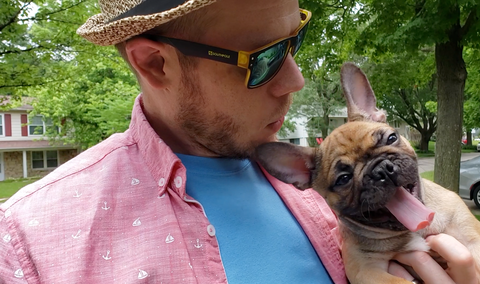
column 320, row 98
column 471, row 118
column 36, row 37
column 92, row 104
column 328, row 44
column 85, row 90
column 404, row 85
column 449, row 26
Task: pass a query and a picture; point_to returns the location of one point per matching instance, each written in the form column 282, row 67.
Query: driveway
column 427, row 164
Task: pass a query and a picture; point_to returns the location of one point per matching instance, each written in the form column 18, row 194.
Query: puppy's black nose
column 385, row 171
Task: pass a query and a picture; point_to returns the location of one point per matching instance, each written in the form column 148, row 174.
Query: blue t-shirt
column 260, row 240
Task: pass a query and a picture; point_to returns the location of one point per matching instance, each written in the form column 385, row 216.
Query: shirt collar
column 164, row 166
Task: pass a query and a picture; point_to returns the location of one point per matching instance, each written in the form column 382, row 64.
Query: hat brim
column 99, row 31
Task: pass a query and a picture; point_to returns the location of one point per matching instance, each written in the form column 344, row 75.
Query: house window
column 2, row 124
column 295, row 141
column 44, row 159
column 396, row 124
column 38, row 125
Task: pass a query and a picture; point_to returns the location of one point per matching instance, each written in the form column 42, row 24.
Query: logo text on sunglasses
column 212, row 53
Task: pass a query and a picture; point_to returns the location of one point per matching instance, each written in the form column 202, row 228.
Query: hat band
column 148, row 7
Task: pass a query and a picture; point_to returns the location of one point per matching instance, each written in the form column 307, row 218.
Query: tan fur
column 355, row 143
column 357, row 169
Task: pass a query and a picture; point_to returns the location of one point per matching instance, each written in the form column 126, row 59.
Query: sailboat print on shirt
column 18, row 273
column 33, row 223
column 7, row 238
column 142, row 274
column 135, row 181
column 169, row 239
column 137, row 222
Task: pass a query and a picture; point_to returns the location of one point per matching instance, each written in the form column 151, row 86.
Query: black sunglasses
column 262, row 64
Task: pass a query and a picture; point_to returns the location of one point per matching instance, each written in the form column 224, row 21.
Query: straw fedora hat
column 123, row 19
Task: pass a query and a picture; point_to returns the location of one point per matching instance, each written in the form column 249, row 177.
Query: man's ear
column 287, row 162
column 151, row 60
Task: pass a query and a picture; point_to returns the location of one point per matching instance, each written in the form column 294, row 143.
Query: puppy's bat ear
column 287, row 162
column 361, row 102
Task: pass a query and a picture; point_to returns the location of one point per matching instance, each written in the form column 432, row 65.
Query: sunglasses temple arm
column 201, row 50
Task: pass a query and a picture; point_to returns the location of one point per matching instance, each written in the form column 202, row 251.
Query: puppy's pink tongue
column 409, row 211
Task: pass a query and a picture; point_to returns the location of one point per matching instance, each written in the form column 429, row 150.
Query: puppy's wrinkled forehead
column 356, row 138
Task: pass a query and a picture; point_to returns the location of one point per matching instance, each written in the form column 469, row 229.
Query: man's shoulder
column 78, row 171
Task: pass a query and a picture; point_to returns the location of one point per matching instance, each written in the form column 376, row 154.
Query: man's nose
column 288, row 80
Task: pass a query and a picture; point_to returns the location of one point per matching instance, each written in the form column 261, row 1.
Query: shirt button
column 161, row 182
column 211, row 230
column 178, row 181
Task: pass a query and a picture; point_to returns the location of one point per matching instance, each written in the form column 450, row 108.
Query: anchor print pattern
column 107, row 257
column 85, row 215
column 77, row 235
column 105, row 207
column 77, row 194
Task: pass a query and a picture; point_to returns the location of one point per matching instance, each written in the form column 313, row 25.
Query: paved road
column 427, row 164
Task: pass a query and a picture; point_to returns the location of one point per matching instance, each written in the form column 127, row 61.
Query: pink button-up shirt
column 118, row 212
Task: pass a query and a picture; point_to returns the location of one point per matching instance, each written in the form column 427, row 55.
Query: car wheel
column 476, row 196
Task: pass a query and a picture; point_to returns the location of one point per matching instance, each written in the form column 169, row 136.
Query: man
column 175, row 199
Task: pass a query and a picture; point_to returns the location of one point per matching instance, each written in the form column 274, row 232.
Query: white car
column 478, row 147
column 469, row 187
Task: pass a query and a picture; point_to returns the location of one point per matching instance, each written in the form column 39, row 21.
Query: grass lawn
column 9, row 187
column 431, row 149
column 427, row 175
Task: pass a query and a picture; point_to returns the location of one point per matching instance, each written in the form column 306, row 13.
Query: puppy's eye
column 391, row 139
column 343, row 179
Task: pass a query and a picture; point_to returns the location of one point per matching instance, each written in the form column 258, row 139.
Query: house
column 24, row 152
column 300, row 135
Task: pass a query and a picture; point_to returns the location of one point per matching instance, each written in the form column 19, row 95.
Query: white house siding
column 16, row 149
column 340, row 117
column 300, row 133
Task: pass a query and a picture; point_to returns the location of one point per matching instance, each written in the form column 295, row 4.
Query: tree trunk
column 425, row 138
column 325, row 124
column 469, row 137
column 452, row 74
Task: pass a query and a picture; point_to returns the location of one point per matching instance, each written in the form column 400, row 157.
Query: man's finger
column 396, row 269
column 461, row 265
column 426, row 267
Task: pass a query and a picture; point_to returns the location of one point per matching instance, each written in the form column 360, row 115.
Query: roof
column 24, row 104
column 30, row 145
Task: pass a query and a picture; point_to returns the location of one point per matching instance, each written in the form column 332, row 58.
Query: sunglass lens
column 267, row 64
column 300, row 38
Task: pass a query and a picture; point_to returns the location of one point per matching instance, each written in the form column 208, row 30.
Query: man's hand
column 461, row 265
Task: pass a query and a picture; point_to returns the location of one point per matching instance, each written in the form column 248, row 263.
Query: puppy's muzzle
column 384, row 172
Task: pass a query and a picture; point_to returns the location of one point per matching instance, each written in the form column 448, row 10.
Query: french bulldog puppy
column 368, row 174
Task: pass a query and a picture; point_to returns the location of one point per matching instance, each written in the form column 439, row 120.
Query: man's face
column 216, row 112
